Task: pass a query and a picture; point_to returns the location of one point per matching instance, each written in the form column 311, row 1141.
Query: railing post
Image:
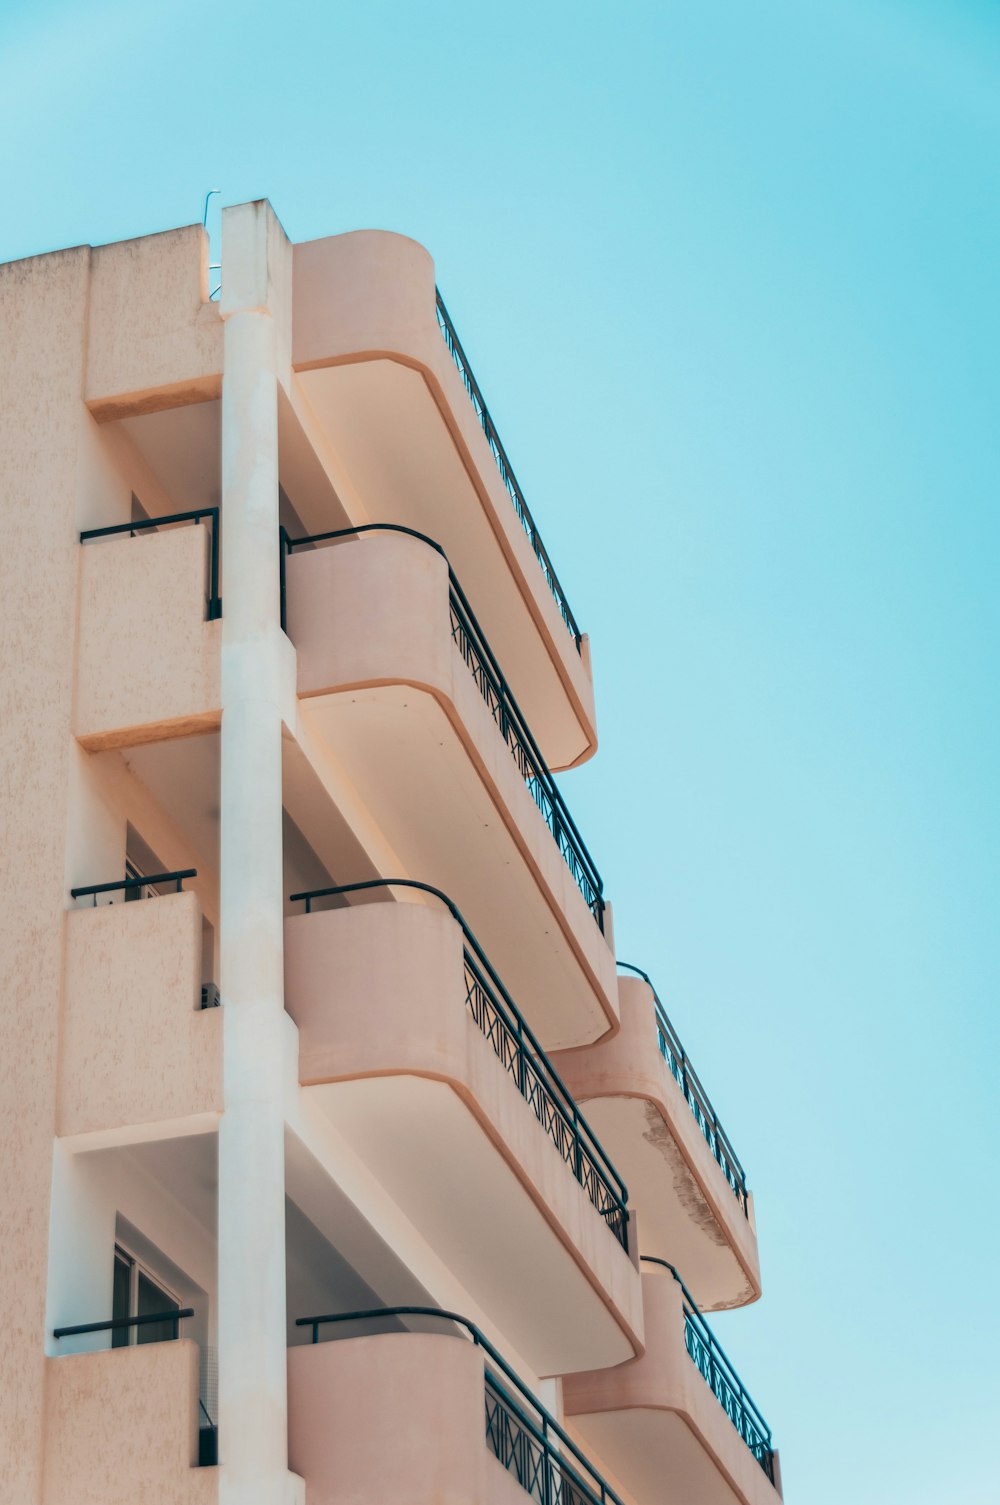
column 521, row 1073
column 214, row 602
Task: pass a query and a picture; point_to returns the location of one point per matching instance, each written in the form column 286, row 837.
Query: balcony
column 425, row 1416
column 122, row 1426
column 150, row 635
column 396, row 675
column 647, row 1104
column 382, row 368
column 412, row 1047
column 676, row 1425
column 140, row 1045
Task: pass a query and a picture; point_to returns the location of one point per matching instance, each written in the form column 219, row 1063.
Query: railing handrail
column 114, row 1324
column 148, row 880
column 194, row 516
column 289, row 544
column 568, row 1105
column 510, row 480
column 480, row 1340
column 712, row 1343
column 691, row 1077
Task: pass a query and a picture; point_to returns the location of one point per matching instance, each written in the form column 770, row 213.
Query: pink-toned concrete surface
column 376, row 612
column 154, row 338
column 370, row 295
column 398, row 1416
column 42, row 317
column 148, row 661
column 122, row 1429
column 379, row 990
column 136, row 1046
column 665, row 1379
column 693, row 1199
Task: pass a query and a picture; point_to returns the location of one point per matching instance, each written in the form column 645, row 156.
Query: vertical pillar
column 251, row 1334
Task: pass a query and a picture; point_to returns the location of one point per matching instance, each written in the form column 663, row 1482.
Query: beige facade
column 334, row 1137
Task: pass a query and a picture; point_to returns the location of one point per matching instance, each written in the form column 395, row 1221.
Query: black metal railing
column 507, row 475
column 199, row 514
column 519, row 1431
column 479, row 658
column 146, row 882
column 496, row 1014
column 208, row 1438
column 706, row 1352
column 697, row 1098
column 117, row 1324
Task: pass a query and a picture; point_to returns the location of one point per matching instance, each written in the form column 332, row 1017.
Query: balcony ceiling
column 411, row 768
column 380, row 417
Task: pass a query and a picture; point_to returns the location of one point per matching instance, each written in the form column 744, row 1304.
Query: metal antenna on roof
column 213, row 266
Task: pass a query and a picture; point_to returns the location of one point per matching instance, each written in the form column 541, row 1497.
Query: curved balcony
column 141, row 1043
column 413, row 1048
column 397, row 676
column 148, row 651
column 649, row 1107
column 425, row 1416
column 676, row 1425
column 384, row 372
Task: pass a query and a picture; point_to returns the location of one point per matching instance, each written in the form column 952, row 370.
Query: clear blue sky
column 728, row 275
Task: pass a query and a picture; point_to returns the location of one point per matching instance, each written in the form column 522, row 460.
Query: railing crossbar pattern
column 696, row 1097
column 720, row 1376
column 197, row 515
column 525, row 1439
column 470, row 640
column 498, row 1018
column 507, row 475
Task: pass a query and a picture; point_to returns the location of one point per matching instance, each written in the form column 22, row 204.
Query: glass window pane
column 152, row 1298
column 120, row 1299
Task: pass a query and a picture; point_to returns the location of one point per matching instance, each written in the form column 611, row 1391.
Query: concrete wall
column 148, row 661
column 42, row 303
column 123, row 1428
column 136, row 1046
column 393, row 1417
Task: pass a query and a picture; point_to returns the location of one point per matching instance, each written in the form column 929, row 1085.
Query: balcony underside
column 375, row 369
column 659, row 1425
column 708, row 1239
column 382, row 419
column 688, row 1211
column 657, row 1457
column 441, row 1164
column 425, row 786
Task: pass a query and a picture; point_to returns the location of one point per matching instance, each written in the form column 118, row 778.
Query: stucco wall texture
column 75, row 323
column 123, row 1429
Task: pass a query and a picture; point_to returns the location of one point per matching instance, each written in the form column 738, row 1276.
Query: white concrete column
column 255, row 669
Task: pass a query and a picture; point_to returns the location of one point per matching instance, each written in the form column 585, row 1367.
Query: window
column 140, row 859
column 138, row 1294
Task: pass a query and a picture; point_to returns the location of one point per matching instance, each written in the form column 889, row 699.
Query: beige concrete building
column 334, row 1136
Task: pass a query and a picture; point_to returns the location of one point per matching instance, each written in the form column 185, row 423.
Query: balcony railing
column 200, row 514
column 497, row 1016
column 520, row 1433
column 119, row 1324
column 139, row 886
column 470, row 640
column 698, row 1101
column 721, row 1377
column 507, row 475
